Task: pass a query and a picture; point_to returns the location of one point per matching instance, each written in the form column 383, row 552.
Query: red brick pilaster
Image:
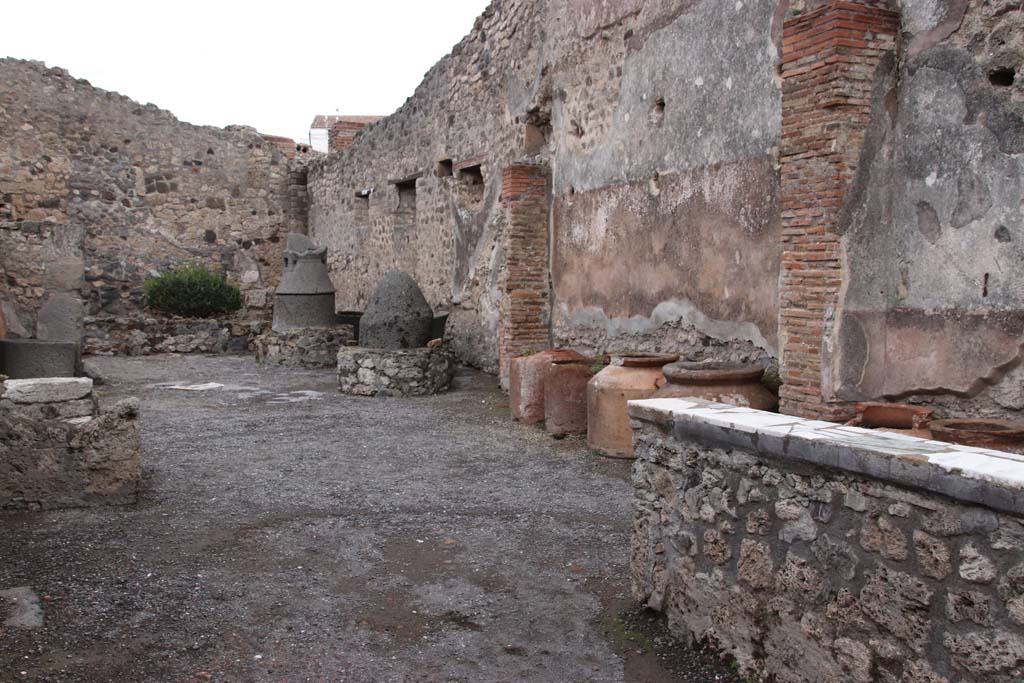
column 829, row 59
column 525, row 304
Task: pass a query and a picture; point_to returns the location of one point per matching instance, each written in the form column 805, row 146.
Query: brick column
column 829, row 59
column 525, row 304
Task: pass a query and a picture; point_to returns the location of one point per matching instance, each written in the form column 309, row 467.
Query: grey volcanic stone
column 378, row 372
column 305, row 297
column 397, row 316
column 27, row 358
column 307, row 347
column 47, row 389
column 305, row 268
column 295, row 311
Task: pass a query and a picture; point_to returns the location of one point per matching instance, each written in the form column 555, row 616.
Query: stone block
column 48, row 464
column 27, row 358
column 47, row 389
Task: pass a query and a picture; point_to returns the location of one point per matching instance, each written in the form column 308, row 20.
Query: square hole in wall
column 445, row 168
column 472, row 175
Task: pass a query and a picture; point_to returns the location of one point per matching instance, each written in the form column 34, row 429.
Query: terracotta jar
column 737, row 384
column 526, row 382
column 894, row 417
column 1002, row 435
column 565, row 396
column 628, row 378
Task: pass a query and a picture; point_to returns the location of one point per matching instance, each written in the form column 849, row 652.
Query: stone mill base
column 408, row 372
column 302, row 347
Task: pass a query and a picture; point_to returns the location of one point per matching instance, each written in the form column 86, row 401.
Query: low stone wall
column 304, row 347
column 58, row 451
column 408, row 372
column 815, row 552
column 142, row 336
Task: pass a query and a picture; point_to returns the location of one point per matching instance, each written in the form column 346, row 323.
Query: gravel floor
column 289, row 533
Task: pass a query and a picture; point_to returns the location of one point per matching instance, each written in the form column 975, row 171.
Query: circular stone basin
column 366, row 371
column 998, row 434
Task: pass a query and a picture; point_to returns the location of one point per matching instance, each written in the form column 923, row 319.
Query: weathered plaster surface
column 934, row 237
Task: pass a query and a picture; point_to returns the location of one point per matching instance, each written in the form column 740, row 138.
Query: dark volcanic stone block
column 397, row 316
column 28, row 358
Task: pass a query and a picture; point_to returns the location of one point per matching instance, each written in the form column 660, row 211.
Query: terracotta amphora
column 628, row 378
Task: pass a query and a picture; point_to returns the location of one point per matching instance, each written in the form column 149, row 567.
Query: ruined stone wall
column 663, row 189
column 107, row 192
column 419, row 190
column 815, row 553
column 718, row 189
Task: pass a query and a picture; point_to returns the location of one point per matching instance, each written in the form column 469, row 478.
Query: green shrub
column 192, row 291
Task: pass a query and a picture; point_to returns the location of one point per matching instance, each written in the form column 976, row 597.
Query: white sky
column 268, row 65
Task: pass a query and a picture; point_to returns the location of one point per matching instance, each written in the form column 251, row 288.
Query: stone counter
column 815, row 552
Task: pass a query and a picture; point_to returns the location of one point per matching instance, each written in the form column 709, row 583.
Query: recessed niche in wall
column 1002, row 77
column 535, row 138
column 361, row 207
column 405, row 208
column 445, row 168
column 472, row 175
column 471, row 187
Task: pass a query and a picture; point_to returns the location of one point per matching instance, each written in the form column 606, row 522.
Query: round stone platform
column 366, row 371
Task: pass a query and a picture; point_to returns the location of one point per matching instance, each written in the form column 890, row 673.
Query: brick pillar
column 829, row 59
column 525, row 303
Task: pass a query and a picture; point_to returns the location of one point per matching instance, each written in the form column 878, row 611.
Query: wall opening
column 471, row 187
column 472, row 175
column 361, row 207
column 445, row 168
column 406, row 208
column 1002, row 77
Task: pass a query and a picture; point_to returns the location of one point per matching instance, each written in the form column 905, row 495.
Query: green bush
column 192, row 291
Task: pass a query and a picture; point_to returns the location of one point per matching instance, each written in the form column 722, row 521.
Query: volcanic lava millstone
column 397, row 315
column 305, row 297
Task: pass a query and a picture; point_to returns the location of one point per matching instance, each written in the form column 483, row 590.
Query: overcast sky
column 268, row 65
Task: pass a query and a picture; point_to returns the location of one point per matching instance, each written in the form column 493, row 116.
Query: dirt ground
column 289, row 533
